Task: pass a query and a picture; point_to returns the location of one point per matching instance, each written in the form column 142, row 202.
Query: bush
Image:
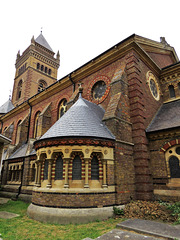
column 118, row 211
column 150, row 211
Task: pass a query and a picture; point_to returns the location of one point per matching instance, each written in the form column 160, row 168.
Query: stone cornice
column 73, row 141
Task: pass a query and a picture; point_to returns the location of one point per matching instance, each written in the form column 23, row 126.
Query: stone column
column 49, row 184
column 39, row 174
column 36, row 175
column 66, row 183
column 86, row 184
column 104, row 185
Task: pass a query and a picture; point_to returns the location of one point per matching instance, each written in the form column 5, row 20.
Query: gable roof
column 42, row 41
column 83, row 119
column 167, row 117
column 6, row 107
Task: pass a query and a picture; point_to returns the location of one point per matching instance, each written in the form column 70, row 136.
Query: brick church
column 105, row 134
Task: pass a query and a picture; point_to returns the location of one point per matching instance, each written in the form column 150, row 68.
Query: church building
column 105, row 134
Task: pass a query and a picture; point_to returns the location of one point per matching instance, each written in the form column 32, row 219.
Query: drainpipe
column 1, row 126
column 22, row 170
column 30, row 111
column 72, row 82
column 22, row 173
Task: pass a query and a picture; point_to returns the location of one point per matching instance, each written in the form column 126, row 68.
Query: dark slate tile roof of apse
column 168, row 116
column 83, row 119
column 42, row 41
column 6, row 107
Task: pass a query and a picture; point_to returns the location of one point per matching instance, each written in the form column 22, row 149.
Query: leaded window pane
column 76, row 170
column 174, row 167
column 45, row 170
column 59, row 169
column 94, row 168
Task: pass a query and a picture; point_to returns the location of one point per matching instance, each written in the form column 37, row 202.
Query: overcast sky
column 80, row 29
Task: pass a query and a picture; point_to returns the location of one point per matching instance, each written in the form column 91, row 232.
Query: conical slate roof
column 6, row 107
column 42, row 41
column 83, row 119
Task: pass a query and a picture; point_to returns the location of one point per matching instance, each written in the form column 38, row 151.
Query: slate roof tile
column 167, row 117
column 82, row 119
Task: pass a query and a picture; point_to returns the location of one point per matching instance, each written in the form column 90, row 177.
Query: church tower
column 36, row 69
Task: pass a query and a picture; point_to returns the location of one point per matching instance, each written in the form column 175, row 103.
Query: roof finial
column 9, row 94
column 80, row 89
column 41, row 29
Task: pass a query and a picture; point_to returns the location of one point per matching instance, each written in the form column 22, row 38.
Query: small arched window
column 45, row 69
column 37, row 126
column 95, row 168
column 59, row 168
column 174, row 167
column 33, row 173
column 77, row 168
column 179, row 86
column 42, row 68
column 46, row 169
column 42, row 85
column 38, row 66
column 171, row 91
column 62, row 107
column 19, row 90
column 49, row 72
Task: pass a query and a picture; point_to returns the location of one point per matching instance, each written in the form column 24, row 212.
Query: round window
column 98, row 89
column 153, row 88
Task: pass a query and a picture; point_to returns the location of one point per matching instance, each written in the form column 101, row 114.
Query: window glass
column 95, row 168
column 76, row 170
column 59, row 168
column 46, row 170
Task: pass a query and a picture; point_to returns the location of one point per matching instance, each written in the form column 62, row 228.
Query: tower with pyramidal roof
column 36, row 69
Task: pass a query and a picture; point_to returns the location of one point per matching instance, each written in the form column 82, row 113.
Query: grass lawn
column 24, row 228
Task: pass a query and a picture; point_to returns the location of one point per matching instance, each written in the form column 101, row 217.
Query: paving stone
column 8, row 215
column 152, row 228
column 116, row 234
column 4, row 200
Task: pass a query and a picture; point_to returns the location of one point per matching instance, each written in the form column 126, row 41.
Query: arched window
column 77, row 168
column 19, row 90
column 49, row 72
column 18, row 131
column 42, row 85
column 179, row 86
column 46, row 169
column 62, row 107
column 42, row 68
column 45, row 69
column 174, row 167
column 59, row 168
column 33, row 173
column 94, row 168
column 38, row 66
column 37, row 126
column 171, row 91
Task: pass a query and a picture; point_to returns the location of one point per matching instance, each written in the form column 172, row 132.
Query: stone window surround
column 15, row 169
column 51, row 154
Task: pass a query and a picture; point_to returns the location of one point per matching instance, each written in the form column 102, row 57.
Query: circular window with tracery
column 99, row 89
column 153, row 85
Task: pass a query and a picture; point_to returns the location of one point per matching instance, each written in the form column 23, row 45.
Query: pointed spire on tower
column 18, row 54
column 58, row 55
column 32, row 40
